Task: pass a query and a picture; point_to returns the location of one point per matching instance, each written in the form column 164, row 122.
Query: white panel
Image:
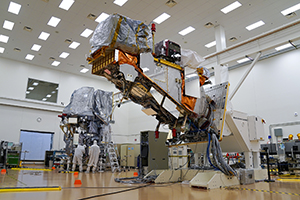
column 171, row 107
column 192, row 87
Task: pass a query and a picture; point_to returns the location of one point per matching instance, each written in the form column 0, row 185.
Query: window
column 41, row 90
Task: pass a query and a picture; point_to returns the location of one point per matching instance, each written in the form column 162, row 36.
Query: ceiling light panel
column 27, row 92
column 161, row 18
column 242, row 60
column 102, row 17
column 86, row 33
column 211, row 44
column 53, row 21
column 55, row 63
column 291, row 9
column 84, row 70
column 29, row 57
column 283, row 47
column 231, row 7
column 44, row 36
column 14, row 8
column 36, row 47
column 64, row 55
column 2, row 49
column 74, row 45
column 4, row 38
column 35, row 83
column 44, row 99
column 120, row 2
column 186, row 30
column 8, row 25
column 31, row 88
column 66, row 4
column 255, row 25
column 49, row 95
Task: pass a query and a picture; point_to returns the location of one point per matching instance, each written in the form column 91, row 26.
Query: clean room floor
column 103, row 183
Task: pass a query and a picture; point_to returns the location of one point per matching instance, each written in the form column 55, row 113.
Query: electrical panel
column 154, row 152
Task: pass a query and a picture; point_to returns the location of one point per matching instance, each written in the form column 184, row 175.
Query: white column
column 220, row 45
column 248, row 160
column 256, row 160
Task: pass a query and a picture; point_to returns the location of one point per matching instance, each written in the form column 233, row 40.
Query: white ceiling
column 196, row 13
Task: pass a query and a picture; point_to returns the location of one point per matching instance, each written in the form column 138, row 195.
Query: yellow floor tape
column 36, row 169
column 30, row 189
column 256, row 190
column 289, row 180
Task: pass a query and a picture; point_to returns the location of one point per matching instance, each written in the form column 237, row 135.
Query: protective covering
column 190, row 58
column 117, row 31
column 102, row 106
column 81, row 102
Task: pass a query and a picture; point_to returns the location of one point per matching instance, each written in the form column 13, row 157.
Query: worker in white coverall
column 77, row 159
column 94, row 152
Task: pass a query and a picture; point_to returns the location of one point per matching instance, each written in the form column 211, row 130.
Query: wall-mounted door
column 35, row 144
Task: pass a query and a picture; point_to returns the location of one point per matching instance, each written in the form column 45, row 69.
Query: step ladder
column 102, row 158
column 113, row 159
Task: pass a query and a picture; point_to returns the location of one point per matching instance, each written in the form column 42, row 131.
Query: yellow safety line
column 289, row 180
column 30, row 189
column 256, row 190
column 37, row 169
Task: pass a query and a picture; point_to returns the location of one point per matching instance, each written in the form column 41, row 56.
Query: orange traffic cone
column 77, row 183
column 3, row 171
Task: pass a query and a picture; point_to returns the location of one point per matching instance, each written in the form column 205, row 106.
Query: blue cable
column 207, row 153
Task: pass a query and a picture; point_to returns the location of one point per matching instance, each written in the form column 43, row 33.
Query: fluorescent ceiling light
column 14, row 8
column 49, row 95
column 8, row 25
column 55, row 63
column 291, row 9
column 120, row 2
column 186, row 30
column 86, row 33
column 44, row 99
column 145, row 69
column 53, row 92
column 102, row 17
column 35, row 83
column 29, row 57
column 242, row 60
column 44, row 36
column 84, row 70
column 255, row 25
column 36, row 47
column 4, row 38
column 74, row 45
column 27, row 92
column 211, row 44
column 191, row 75
column 53, row 21
column 231, row 7
column 66, row 4
column 283, row 47
column 161, row 18
column 2, row 49
column 64, row 55
column 31, row 88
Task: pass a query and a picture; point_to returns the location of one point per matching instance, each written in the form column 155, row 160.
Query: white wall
column 272, row 90
column 18, row 113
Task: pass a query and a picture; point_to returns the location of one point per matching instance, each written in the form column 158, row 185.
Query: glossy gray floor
column 102, row 183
